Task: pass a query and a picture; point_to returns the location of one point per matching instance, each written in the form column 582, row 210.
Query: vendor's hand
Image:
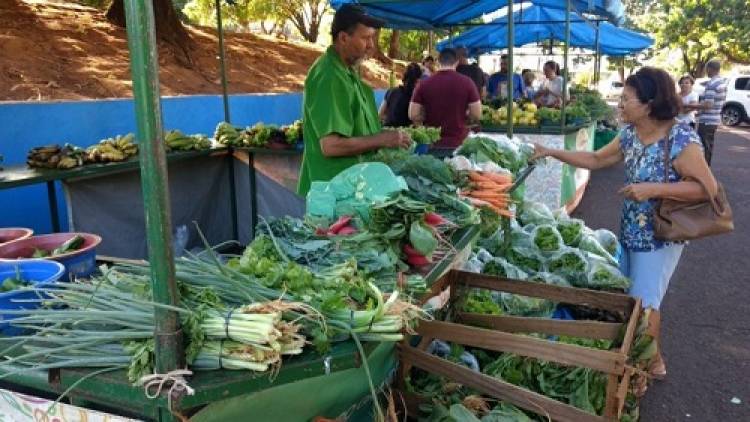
column 396, row 139
column 640, row 191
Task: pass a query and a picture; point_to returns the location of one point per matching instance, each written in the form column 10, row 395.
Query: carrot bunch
column 489, row 190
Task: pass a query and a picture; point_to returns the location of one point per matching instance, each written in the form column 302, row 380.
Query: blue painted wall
column 24, row 125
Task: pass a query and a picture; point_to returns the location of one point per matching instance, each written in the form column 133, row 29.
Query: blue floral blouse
column 643, row 164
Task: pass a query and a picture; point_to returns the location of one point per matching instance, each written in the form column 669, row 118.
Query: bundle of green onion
column 109, row 323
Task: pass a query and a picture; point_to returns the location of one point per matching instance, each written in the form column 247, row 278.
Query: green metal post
column 139, row 16
column 511, row 40
column 565, row 65
column 222, row 62
column 597, row 56
column 227, row 118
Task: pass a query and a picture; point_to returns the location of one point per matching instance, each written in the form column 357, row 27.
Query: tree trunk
column 393, row 47
column 377, row 53
column 169, row 28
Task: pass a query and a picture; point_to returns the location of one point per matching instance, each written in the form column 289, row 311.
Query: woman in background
column 689, row 97
column 394, row 111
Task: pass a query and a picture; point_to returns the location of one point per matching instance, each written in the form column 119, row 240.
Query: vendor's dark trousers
column 707, row 134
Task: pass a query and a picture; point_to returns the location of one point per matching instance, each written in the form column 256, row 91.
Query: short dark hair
column 411, row 75
column 428, row 59
column 654, row 86
column 448, row 57
column 348, row 17
column 714, row 64
column 688, row 77
column 554, row 66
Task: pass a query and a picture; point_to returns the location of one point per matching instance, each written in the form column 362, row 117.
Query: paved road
column 706, row 313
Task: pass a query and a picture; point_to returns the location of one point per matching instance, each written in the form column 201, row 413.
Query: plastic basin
column 40, row 272
column 80, row 263
column 10, row 234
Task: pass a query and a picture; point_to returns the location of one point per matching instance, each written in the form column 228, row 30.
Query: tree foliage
column 305, row 15
column 700, row 29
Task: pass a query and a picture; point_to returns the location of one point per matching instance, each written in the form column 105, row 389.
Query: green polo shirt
column 336, row 101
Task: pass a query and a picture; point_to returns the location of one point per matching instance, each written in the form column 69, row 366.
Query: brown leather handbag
column 680, row 220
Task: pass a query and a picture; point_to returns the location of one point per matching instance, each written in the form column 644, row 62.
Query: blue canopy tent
column 536, row 24
column 431, row 14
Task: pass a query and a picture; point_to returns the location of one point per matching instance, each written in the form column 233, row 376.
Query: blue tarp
column 613, row 41
column 430, row 14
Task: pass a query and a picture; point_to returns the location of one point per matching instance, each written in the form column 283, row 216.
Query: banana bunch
column 228, row 135
column 56, row 157
column 119, row 148
column 178, row 141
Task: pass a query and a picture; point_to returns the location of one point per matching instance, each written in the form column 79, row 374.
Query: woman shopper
column 648, row 107
column 689, row 97
column 394, row 111
column 550, row 93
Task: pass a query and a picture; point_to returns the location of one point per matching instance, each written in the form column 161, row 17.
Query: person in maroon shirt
column 445, row 100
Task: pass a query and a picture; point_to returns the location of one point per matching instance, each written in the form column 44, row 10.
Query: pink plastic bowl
column 10, row 234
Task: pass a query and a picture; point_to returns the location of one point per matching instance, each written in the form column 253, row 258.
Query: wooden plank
column 515, row 324
column 566, row 354
column 572, row 295
column 498, row 388
column 622, row 391
column 627, row 341
column 610, row 405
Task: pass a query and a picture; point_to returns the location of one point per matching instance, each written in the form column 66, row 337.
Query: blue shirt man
column 500, row 79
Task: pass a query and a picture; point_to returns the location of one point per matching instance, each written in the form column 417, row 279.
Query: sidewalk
column 706, row 313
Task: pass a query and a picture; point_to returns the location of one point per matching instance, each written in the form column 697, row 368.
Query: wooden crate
column 502, row 337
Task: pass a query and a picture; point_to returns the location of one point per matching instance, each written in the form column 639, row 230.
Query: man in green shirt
column 340, row 122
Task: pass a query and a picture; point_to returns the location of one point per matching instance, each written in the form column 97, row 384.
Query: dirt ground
column 55, row 50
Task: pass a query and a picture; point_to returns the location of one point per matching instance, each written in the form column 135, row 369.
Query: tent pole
column 139, row 15
column 225, row 100
column 222, row 63
column 597, row 56
column 509, row 81
column 565, row 61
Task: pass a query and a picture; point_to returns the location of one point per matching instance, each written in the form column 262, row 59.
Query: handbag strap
column 715, row 203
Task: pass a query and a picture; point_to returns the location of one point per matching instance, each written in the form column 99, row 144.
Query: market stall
column 306, row 317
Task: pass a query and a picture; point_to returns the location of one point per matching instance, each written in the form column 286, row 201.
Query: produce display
column 56, row 157
column 108, row 324
column 586, row 104
column 523, row 114
column 259, row 135
column 420, row 134
column 178, row 141
column 119, row 148
column 73, row 244
column 13, row 283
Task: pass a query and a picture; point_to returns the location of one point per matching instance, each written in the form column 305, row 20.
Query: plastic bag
column 484, row 256
column 571, row 230
column 549, row 278
column 519, row 305
column 502, row 268
column 527, row 259
column 570, row 264
column 352, row 192
column 547, row 239
column 608, row 240
column 473, row 265
column 603, row 276
column 590, row 244
column 535, row 213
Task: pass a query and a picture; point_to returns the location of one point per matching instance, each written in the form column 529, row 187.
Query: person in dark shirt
column 497, row 83
column 444, row 100
column 473, row 71
column 394, row 111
